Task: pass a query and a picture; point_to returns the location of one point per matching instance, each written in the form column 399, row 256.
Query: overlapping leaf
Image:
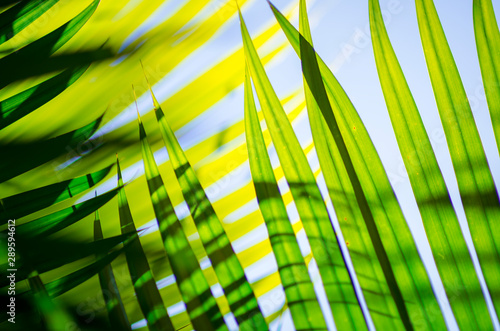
column 344, row 301
column 61, row 219
column 299, row 290
column 195, row 290
column 398, row 242
column 382, row 294
column 23, row 103
column 488, row 50
column 143, row 280
column 20, row 158
column 18, row 17
column 68, row 282
column 229, row 272
column 41, row 49
column 477, row 189
column 114, row 304
column 54, row 317
column 53, row 253
column 28, row 202
column 440, row 221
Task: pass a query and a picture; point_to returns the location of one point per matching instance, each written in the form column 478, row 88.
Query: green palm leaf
column 68, row 282
column 143, row 280
column 440, row 221
column 477, row 190
column 61, row 219
column 329, row 150
column 54, row 317
column 200, row 303
column 409, row 271
column 38, row 51
column 20, row 158
column 229, row 272
column 51, row 253
column 41, row 59
column 18, row 17
column 299, row 290
column 330, row 259
column 28, row 202
column 16, row 107
column 488, row 50
column 114, row 304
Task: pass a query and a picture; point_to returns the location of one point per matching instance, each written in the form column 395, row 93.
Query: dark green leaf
column 25, row 203
column 18, row 17
column 45, row 254
column 18, row 158
column 22, row 104
column 40, row 50
column 68, row 282
column 148, row 295
column 59, row 220
column 114, row 305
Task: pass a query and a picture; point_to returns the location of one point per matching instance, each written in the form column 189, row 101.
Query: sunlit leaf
column 229, row 272
column 409, row 271
column 440, row 221
column 477, row 189
column 195, row 290
column 347, row 195
column 344, row 300
column 299, row 290
column 488, row 50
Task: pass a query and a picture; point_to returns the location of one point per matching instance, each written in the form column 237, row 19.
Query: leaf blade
column 19, row 16
column 323, row 124
column 299, row 290
column 148, row 295
column 448, row 244
column 25, row 102
column 22, row 204
column 20, row 158
column 61, row 219
column 488, row 50
column 114, row 305
column 401, row 248
column 230, row 274
column 477, row 190
column 200, row 303
column 310, row 205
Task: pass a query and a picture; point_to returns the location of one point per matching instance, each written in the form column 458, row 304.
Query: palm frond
column 200, row 303
column 475, row 182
